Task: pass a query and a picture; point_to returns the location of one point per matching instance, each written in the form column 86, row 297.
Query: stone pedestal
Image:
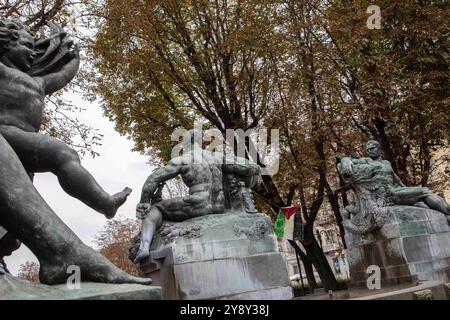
column 414, row 244
column 12, row 288
column 224, row 256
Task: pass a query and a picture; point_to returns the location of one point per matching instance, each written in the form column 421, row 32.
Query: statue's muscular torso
column 202, row 178
column 21, row 99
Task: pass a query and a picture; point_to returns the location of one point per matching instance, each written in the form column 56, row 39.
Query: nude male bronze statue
column 377, row 189
column 203, row 172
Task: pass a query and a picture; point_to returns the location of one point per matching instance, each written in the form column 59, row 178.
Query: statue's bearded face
column 21, row 52
column 373, row 150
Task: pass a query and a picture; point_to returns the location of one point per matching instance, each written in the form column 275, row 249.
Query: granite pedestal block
column 414, row 244
column 223, row 256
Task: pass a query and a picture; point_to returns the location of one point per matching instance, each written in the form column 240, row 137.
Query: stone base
column 12, row 288
column 226, row 256
column 426, row 290
column 413, row 245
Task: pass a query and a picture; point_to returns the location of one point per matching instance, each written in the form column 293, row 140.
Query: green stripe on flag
column 278, row 229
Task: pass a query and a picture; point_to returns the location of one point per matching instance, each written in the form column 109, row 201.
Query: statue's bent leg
column 414, row 195
column 149, row 225
column 409, row 196
column 175, row 209
column 24, row 213
column 42, row 153
column 437, row 203
column 181, row 209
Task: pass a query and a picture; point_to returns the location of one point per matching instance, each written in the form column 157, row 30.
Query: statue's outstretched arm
column 169, row 171
column 58, row 80
column 345, row 167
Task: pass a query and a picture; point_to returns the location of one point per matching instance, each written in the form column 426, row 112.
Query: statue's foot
column 141, row 256
column 117, row 200
column 93, row 267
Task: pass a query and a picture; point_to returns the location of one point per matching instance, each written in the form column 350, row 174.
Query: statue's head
column 16, row 45
column 373, row 148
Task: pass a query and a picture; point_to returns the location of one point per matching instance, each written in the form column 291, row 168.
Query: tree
column 396, row 79
column 164, row 63
column 29, row 271
column 306, row 114
column 114, row 241
column 37, row 13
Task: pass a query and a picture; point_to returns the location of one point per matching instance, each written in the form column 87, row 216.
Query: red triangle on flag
column 290, row 211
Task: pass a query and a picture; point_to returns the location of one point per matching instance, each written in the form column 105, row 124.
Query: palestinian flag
column 287, row 226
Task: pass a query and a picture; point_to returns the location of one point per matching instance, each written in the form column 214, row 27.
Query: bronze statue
column 30, row 70
column 22, row 94
column 377, row 188
column 203, row 172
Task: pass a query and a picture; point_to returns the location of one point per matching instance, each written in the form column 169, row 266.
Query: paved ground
column 320, row 294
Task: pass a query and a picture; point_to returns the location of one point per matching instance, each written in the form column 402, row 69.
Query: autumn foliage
column 114, row 241
column 29, row 271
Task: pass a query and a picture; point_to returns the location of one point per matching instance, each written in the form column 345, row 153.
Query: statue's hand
column 347, row 168
column 142, row 209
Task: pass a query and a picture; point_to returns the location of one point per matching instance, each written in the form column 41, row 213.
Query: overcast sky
column 116, row 167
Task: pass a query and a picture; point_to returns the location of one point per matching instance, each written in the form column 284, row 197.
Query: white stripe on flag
column 289, row 228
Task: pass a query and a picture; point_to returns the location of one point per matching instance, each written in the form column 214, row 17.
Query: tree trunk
column 334, row 202
column 309, row 272
column 323, row 268
column 307, row 264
